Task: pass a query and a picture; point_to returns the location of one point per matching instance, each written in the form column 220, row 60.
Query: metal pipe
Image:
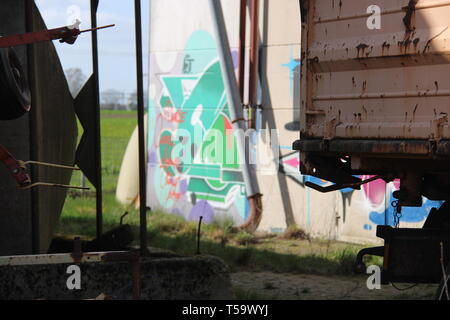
column 254, row 48
column 242, row 43
column 232, row 91
column 98, row 149
column 255, row 201
column 141, row 130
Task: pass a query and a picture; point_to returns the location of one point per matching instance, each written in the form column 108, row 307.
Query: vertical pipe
column 98, row 149
column 141, row 129
column 234, row 101
column 254, row 44
column 242, row 43
column 35, row 243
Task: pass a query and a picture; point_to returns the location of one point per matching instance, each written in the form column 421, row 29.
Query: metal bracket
column 18, row 170
column 336, row 187
column 29, row 184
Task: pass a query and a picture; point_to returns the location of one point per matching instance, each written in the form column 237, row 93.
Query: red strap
column 17, row 170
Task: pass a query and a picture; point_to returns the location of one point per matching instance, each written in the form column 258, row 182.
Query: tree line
column 110, row 99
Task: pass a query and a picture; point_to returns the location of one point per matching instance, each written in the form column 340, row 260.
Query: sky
column 117, row 62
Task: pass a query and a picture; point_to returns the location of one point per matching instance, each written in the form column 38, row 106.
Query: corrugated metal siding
column 388, row 83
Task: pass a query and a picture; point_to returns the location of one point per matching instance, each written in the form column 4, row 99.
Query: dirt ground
column 274, row 286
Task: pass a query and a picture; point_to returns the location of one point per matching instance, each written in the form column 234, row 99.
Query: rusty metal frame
column 242, row 44
column 423, row 148
column 254, row 56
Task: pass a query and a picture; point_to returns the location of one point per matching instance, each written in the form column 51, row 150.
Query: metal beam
column 232, row 91
column 141, row 130
column 98, row 189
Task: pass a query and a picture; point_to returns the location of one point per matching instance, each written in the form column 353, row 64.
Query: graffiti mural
column 188, row 174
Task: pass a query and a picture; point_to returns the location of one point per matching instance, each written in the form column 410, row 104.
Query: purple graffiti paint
column 204, row 209
column 176, row 211
column 235, row 56
column 152, row 158
column 183, row 186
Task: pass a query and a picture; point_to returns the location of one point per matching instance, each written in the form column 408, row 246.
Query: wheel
column 441, row 293
column 15, row 97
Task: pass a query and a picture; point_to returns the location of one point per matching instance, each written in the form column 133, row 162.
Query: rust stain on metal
column 364, row 109
column 408, row 19
column 361, row 48
column 364, row 86
column 402, row 147
column 384, row 46
column 415, row 109
column 405, row 43
column 77, row 254
column 314, row 60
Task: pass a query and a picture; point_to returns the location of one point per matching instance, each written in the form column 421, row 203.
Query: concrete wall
column 182, row 57
column 162, row 278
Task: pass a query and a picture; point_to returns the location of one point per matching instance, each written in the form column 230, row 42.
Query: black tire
column 441, row 292
column 15, row 97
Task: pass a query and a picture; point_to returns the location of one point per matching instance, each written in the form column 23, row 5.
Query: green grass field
column 292, row 253
column 79, row 209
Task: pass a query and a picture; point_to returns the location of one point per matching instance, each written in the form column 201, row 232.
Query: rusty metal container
column 376, row 100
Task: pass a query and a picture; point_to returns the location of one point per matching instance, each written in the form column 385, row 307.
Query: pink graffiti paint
column 166, row 140
column 174, row 195
column 167, row 163
column 374, row 191
column 228, row 133
column 173, row 115
column 396, row 184
column 172, row 180
column 294, row 162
